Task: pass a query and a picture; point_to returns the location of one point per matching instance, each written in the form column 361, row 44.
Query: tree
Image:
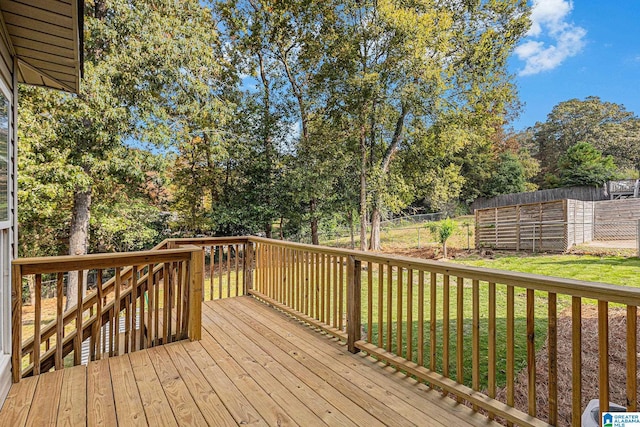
column 420, row 67
column 509, row 176
column 140, row 60
column 583, row 164
column 606, row 126
column 443, row 230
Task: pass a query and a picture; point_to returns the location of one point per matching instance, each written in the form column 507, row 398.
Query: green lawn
column 609, row 269
column 501, row 348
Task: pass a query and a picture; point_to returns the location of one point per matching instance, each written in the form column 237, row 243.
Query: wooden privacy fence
column 549, row 226
column 453, row 327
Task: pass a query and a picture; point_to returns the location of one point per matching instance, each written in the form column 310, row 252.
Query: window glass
column 4, row 158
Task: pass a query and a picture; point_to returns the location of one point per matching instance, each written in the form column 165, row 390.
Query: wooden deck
column 254, row 365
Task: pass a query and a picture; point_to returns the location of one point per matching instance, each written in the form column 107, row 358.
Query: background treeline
column 292, row 117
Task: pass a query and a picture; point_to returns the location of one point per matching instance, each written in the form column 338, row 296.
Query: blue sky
column 576, row 49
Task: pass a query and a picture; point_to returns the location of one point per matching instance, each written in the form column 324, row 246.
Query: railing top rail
column 578, row 288
column 64, row 263
column 205, row 240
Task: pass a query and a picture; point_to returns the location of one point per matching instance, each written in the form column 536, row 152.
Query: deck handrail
column 417, row 315
column 353, row 295
column 177, row 271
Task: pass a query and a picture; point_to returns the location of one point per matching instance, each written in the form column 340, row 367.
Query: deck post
column 196, row 279
column 248, row 267
column 16, row 323
column 354, row 303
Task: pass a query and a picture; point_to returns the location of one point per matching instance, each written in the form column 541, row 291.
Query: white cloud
column 549, row 20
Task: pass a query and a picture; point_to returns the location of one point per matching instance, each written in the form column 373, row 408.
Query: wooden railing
column 227, row 263
column 138, row 300
column 454, row 327
column 471, row 333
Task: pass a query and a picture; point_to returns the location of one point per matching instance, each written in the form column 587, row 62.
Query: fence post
column 196, row 280
column 248, row 268
column 354, row 303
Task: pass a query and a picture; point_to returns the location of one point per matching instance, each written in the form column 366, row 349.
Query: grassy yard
column 609, row 269
column 467, row 315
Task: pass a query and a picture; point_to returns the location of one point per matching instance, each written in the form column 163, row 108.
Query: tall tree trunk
column 281, row 228
column 314, row 222
column 363, row 191
column 268, row 232
column 352, row 231
column 386, row 161
column 78, row 241
column 31, row 282
column 375, row 228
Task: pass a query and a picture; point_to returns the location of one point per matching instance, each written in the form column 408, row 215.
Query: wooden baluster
column 328, row 290
column 460, row 332
column 312, row 283
column 59, row 321
column 335, row 291
column 170, row 295
column 97, row 327
column 307, row 284
column 156, row 308
column 212, row 273
column 410, row 314
column 389, row 305
column 399, row 295
column 576, row 361
column 220, row 260
column 134, row 308
column 166, row 312
column 380, row 304
column 603, row 355
column 322, row 286
column 115, row 338
column 228, row 271
column 531, row 353
column 196, row 272
column 475, row 337
column 236, row 251
column 317, row 287
column 492, row 344
column 77, row 348
column 632, row 358
column 354, row 310
column 369, row 301
column 510, row 348
column 420, row 348
column 179, row 301
column 150, row 305
column 37, row 320
column 432, row 320
column 341, row 285
column 552, row 339
column 445, row 327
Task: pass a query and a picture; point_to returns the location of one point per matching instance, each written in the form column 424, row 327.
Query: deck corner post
column 16, row 323
column 354, row 303
column 196, row 283
column 248, row 267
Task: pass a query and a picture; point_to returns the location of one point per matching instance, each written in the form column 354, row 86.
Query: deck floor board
column 254, row 366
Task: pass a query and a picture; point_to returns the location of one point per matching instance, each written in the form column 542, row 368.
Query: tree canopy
column 291, row 118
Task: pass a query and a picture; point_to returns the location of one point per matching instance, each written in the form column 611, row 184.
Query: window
column 4, row 157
